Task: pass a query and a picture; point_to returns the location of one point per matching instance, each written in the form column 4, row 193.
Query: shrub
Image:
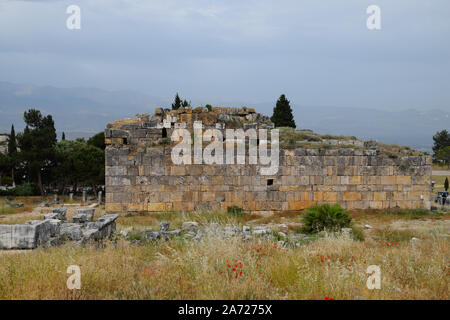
column 325, row 217
column 26, row 190
column 209, row 107
column 357, row 234
column 235, row 210
column 6, row 181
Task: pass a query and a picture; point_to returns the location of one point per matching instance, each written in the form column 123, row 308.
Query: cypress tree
column 446, row 184
column 177, row 103
column 12, row 144
column 63, row 136
column 12, row 151
column 282, row 113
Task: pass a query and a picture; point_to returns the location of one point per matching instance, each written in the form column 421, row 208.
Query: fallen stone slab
column 43, row 204
column 189, row 226
column 71, row 231
column 152, row 236
column 45, row 229
column 164, row 226
column 84, row 215
column 80, row 218
column 58, row 213
column 105, row 225
column 25, row 236
column 89, row 211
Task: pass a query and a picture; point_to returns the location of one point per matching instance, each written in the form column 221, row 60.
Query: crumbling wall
column 356, row 179
column 140, row 174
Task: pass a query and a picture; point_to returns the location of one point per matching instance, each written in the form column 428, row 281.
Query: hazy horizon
column 319, row 53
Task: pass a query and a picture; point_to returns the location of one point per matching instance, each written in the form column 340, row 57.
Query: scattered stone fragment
column 105, row 225
column 43, row 205
column 189, row 235
column 189, row 226
column 84, row 215
column 414, row 239
column 346, row 230
column 284, row 228
column 71, row 231
column 58, row 213
column 164, row 226
column 152, row 236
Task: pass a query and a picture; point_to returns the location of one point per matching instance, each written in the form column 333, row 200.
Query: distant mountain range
column 82, row 112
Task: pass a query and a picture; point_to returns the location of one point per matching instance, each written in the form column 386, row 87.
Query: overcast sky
column 317, row 52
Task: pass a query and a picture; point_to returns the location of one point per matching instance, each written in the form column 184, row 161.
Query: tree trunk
column 12, row 176
column 41, row 188
column 94, row 188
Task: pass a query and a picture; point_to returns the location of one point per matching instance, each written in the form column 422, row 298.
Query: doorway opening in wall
column 164, row 133
column 270, row 182
column 125, row 141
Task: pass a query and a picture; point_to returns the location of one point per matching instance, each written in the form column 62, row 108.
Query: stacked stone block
column 356, row 179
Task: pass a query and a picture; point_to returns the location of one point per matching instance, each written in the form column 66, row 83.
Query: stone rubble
column 58, row 213
column 192, row 231
column 84, row 215
column 54, row 230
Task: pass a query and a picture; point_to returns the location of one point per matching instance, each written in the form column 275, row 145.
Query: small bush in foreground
column 235, row 210
column 325, row 217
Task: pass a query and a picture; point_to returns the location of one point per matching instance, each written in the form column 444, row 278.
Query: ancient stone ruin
column 141, row 176
column 55, row 230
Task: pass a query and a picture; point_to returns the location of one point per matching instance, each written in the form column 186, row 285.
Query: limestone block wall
column 145, row 179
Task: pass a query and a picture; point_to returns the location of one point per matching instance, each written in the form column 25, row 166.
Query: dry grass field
column 332, row 265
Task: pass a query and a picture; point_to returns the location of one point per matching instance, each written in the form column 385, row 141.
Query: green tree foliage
column 12, row 142
column 63, row 136
column 446, row 184
column 37, row 145
column 4, row 164
column 282, row 113
column 80, row 163
column 177, row 102
column 65, row 172
column 444, row 155
column 12, row 152
column 325, row 217
column 98, row 140
column 441, row 140
column 50, row 163
column 89, row 162
column 185, row 104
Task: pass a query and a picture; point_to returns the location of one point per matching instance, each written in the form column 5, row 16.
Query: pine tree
column 441, row 140
column 282, row 113
column 12, row 151
column 63, row 136
column 177, row 103
column 446, row 184
column 37, row 144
